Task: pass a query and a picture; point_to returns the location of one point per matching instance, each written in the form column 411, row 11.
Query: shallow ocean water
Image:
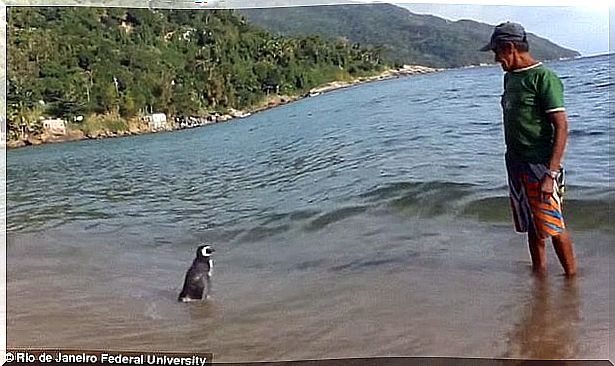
column 369, row 221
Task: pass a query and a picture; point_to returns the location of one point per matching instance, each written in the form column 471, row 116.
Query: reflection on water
column 548, row 325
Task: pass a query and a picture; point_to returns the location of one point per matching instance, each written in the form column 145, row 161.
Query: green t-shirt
column 529, row 94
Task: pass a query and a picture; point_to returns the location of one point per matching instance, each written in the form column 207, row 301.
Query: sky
column 584, row 29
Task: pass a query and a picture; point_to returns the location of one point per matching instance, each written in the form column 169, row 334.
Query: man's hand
column 546, row 188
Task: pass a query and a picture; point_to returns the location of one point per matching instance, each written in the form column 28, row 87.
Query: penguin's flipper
column 208, row 279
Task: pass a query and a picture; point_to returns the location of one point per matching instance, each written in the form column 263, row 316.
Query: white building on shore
column 55, row 126
column 157, row 122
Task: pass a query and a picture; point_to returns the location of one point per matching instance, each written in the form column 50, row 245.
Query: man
column 535, row 131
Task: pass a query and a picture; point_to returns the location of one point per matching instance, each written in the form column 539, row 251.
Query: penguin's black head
column 204, row 251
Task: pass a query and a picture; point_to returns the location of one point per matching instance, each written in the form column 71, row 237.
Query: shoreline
column 269, row 103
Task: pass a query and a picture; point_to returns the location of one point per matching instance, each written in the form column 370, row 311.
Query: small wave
column 433, row 199
column 375, row 101
column 300, row 215
column 290, row 216
column 312, row 264
column 491, row 209
column 220, row 235
column 388, row 260
column 334, row 216
column 387, row 191
column 263, row 232
column 579, row 213
column 424, row 100
column 413, row 191
column 578, row 133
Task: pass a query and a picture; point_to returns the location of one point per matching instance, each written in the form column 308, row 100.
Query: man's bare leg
column 565, row 253
column 537, row 252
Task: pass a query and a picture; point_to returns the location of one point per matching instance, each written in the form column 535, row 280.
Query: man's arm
column 560, row 125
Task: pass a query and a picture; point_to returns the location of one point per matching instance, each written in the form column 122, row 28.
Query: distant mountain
column 406, row 37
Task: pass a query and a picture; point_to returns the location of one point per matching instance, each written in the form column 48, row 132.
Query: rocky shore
column 388, row 74
column 137, row 127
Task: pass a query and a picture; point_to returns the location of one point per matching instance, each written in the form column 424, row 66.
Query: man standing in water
column 535, row 131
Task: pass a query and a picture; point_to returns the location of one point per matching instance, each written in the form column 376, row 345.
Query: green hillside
column 406, row 37
column 123, row 63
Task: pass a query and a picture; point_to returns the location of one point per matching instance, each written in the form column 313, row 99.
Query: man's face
column 503, row 54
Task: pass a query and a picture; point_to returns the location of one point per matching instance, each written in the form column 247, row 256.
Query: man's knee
column 534, row 239
column 562, row 237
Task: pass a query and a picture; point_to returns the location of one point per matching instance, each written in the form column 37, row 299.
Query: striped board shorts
column 527, row 203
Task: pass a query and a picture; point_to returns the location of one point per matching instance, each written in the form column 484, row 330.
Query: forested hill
column 66, row 62
column 406, row 37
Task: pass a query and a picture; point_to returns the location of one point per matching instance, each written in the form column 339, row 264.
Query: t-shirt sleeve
column 551, row 91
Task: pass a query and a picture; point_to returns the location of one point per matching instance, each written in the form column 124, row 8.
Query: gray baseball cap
column 503, row 32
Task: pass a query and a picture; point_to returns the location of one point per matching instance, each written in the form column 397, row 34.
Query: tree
column 109, row 98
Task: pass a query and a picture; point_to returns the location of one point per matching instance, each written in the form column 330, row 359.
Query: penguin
column 201, row 269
